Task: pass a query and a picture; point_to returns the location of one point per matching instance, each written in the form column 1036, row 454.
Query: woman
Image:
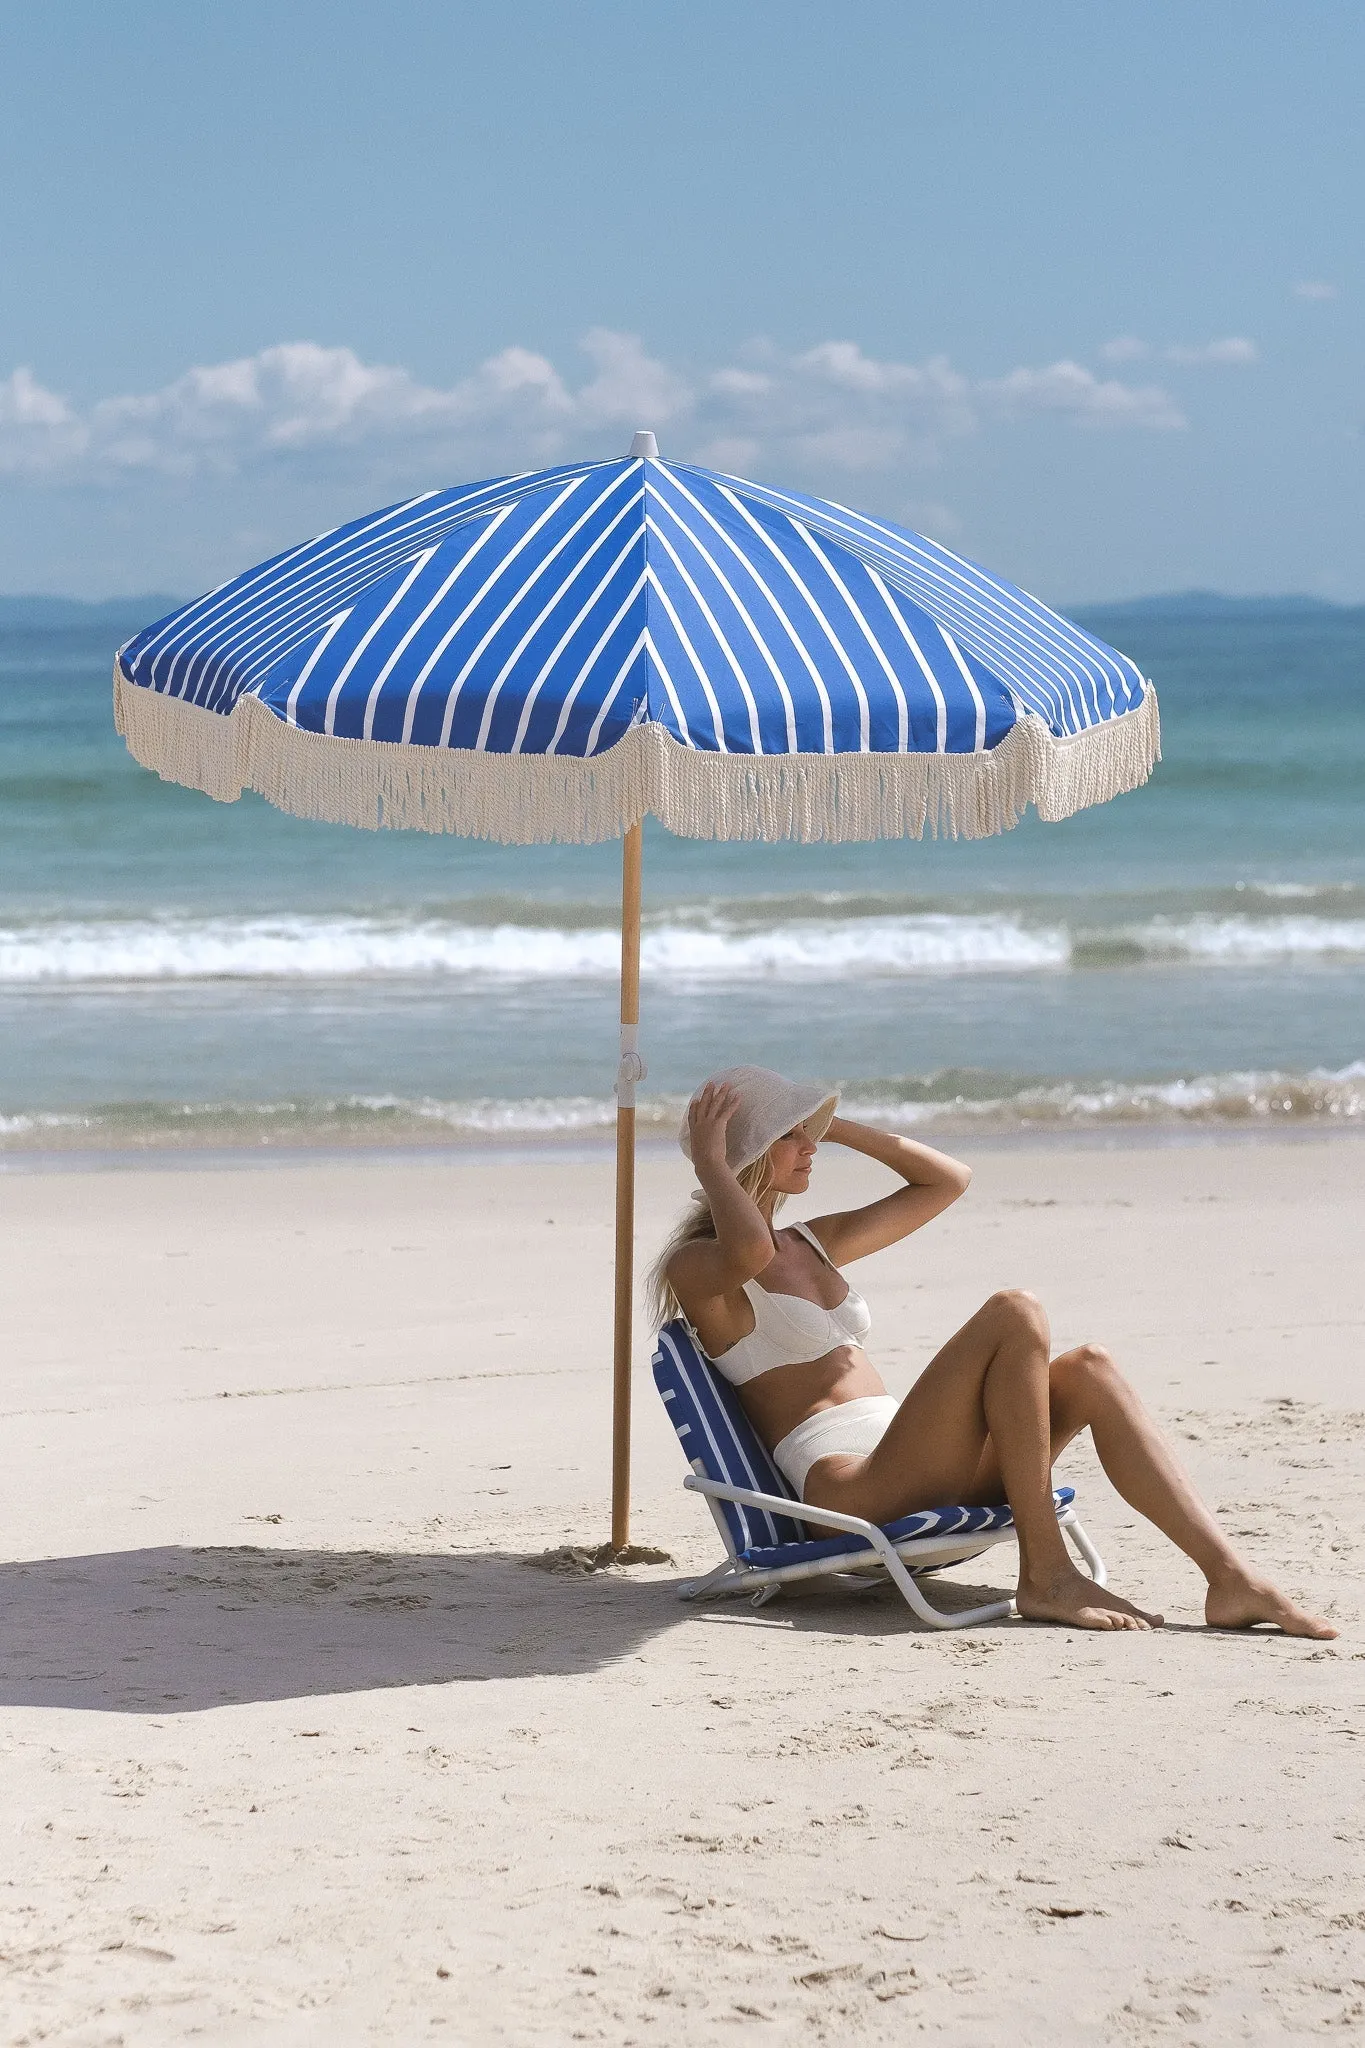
column 986, row 1418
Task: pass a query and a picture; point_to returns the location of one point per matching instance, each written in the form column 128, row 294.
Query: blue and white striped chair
column 756, row 1511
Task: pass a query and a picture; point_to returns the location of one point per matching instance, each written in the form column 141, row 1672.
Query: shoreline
column 576, row 1148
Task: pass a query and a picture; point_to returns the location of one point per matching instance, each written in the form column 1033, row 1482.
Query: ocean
column 178, row 973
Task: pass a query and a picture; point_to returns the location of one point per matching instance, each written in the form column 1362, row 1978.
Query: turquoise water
column 176, row 971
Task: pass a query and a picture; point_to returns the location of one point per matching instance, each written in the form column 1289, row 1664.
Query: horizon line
column 1189, row 595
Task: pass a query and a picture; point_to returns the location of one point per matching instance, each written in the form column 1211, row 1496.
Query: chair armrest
column 794, row 1510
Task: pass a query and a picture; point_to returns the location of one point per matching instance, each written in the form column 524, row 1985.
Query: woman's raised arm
column 933, row 1183
column 743, row 1244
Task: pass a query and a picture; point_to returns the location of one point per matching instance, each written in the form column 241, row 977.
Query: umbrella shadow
column 180, row 1629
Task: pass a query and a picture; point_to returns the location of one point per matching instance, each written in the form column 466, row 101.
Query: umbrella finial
column 644, row 447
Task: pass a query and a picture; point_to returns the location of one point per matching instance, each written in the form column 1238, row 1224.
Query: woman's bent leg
column 1089, row 1392
column 989, row 1382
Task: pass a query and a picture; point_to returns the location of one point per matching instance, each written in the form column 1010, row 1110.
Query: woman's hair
column 663, row 1303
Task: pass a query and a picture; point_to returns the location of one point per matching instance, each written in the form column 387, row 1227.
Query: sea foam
column 945, row 1103
column 675, row 947
column 328, row 948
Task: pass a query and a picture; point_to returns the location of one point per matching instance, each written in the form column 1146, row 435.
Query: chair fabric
column 715, row 1432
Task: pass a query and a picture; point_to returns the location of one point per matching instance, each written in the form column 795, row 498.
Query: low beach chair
column 761, row 1522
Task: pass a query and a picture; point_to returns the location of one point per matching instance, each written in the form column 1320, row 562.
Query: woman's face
column 790, row 1160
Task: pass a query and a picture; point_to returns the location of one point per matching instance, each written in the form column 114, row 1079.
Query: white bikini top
column 789, row 1330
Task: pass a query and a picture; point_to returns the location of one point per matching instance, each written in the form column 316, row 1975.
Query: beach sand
column 300, row 1747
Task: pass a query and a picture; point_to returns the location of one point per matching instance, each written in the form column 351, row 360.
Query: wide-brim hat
column 769, row 1107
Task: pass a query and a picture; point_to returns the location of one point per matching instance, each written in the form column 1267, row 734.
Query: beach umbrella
column 559, row 654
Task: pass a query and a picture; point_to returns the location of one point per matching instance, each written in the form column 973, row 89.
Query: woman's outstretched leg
column 989, row 1382
column 1089, row 1392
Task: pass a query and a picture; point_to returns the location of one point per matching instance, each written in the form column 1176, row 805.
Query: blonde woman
column 986, row 1418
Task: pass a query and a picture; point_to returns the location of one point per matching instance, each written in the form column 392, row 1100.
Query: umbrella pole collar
column 631, row 1070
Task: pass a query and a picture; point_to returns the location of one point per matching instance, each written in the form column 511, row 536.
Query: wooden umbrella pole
column 630, row 1071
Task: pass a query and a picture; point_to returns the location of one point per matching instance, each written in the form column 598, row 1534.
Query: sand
column 299, row 1748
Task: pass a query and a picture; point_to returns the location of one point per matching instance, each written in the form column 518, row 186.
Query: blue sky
column 1077, row 288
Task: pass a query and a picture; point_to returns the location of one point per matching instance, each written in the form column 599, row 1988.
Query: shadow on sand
column 178, row 1629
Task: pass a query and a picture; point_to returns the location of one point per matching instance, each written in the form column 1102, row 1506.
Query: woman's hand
column 708, row 1118
column 707, row 1268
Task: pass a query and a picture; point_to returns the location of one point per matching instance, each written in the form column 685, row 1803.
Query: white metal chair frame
column 901, row 1559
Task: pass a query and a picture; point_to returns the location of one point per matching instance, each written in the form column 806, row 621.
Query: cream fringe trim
column 525, row 799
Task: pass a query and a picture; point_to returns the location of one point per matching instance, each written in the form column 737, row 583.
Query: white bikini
column 789, row 1330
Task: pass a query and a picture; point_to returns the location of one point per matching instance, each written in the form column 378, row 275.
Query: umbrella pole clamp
column 632, row 1069
column 629, row 1073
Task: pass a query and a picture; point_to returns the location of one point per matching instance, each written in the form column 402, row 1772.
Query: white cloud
column 1314, row 288
column 630, row 386
column 1234, row 348
column 832, row 407
column 25, row 403
column 1125, row 348
column 38, row 429
column 1076, row 392
column 292, row 399
column 828, row 408
column 740, row 383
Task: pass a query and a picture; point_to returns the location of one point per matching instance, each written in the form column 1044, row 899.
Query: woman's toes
column 1242, row 1600
column 1073, row 1599
column 1137, row 1615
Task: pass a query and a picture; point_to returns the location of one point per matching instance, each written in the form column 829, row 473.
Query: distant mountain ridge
column 41, row 613
column 1211, row 604
column 45, row 614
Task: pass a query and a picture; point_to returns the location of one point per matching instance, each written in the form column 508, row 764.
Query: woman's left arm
column 933, row 1182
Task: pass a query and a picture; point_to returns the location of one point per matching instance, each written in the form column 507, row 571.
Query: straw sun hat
column 769, row 1107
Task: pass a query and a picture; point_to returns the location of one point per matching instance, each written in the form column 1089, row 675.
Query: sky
column 1075, row 288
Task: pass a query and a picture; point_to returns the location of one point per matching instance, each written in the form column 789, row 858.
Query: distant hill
column 46, row 614
column 1210, row 604
column 118, row 618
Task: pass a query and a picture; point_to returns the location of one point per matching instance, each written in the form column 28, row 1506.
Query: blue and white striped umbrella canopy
column 555, row 655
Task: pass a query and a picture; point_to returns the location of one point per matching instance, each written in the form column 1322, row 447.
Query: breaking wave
column 961, row 1101
column 676, row 946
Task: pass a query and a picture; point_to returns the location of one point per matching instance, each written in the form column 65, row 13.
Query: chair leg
column 966, row 1617
column 727, row 1577
column 1085, row 1550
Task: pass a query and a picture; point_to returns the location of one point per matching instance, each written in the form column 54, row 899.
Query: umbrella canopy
column 557, row 655
column 553, row 656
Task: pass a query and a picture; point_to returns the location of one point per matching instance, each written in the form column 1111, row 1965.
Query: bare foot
column 1241, row 1599
column 1073, row 1599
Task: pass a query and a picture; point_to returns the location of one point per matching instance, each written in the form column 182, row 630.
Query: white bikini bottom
column 850, row 1430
